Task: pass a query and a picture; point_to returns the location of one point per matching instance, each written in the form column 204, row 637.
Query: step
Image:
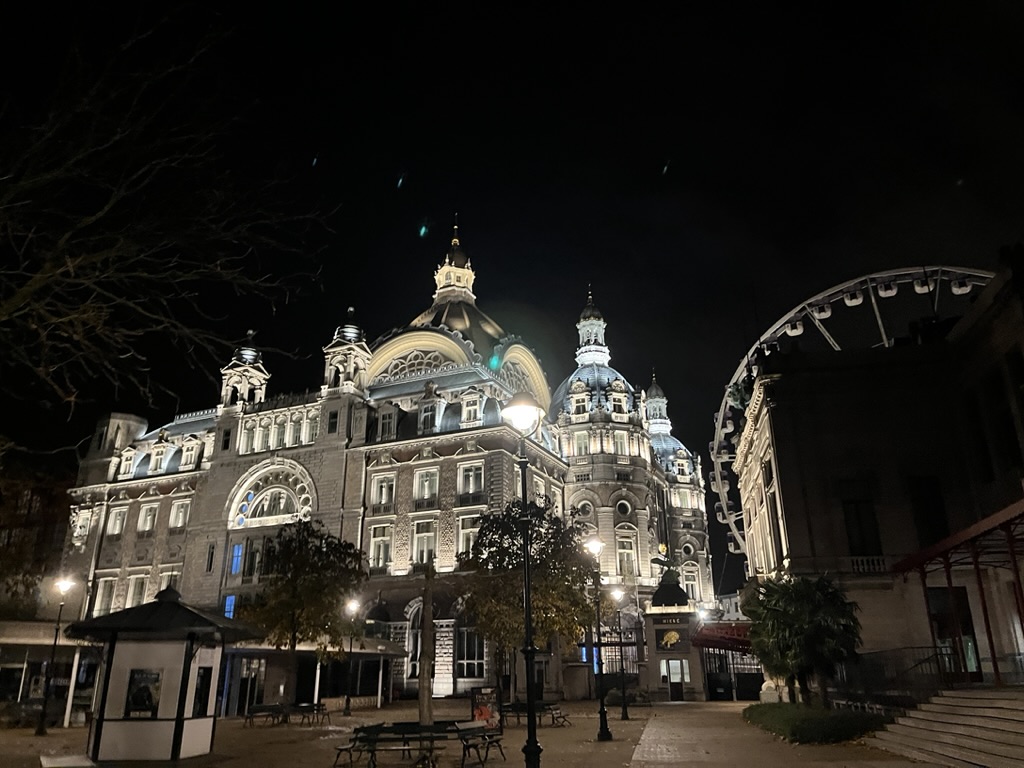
column 961, row 740
column 949, row 700
column 923, row 756
column 1011, row 734
column 1009, row 692
column 996, row 723
column 996, row 712
column 937, row 748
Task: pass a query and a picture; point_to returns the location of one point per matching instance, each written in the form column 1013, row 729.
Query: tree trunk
column 791, row 689
column 805, row 689
column 291, row 673
column 425, row 692
column 499, row 655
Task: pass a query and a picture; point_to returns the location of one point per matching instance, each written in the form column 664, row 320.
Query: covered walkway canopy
column 994, row 542
column 724, row 635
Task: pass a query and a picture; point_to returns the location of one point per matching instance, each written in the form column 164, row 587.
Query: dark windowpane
column 332, row 422
column 929, row 508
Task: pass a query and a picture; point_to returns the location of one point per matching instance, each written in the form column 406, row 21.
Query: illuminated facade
column 401, row 450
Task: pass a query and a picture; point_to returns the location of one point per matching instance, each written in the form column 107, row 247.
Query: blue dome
column 598, row 379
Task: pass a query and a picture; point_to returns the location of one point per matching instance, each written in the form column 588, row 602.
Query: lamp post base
column 603, row 733
column 531, row 754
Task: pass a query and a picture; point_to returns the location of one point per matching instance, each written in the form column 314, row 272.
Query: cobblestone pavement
column 711, row 734
column 714, row 734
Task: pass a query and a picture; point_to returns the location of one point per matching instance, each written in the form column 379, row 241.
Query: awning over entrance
column 725, row 635
column 997, row 541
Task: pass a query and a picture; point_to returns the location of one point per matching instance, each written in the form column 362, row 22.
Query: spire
column 454, row 278
column 591, row 326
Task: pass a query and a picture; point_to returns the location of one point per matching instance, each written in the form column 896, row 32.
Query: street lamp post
column 351, row 608
column 63, row 585
column 618, row 594
column 595, row 545
column 524, row 413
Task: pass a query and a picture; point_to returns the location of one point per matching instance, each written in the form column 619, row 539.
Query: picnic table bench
column 542, row 710
column 403, row 738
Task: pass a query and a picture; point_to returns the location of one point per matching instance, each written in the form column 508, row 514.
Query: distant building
column 401, row 450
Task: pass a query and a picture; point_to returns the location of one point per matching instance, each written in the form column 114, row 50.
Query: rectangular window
column 332, row 423
column 539, row 491
column 156, row 464
column 211, row 552
column 115, row 523
column 384, row 494
column 225, row 440
column 861, row 527
column 929, row 509
column 426, row 489
column 170, row 579
column 621, row 446
column 618, row 404
column 179, row 514
column 582, row 442
column 471, row 485
column 229, row 606
column 277, row 435
column 471, row 410
column 237, row 553
column 387, row 425
column 380, row 547
column 428, row 414
column 625, row 548
column 690, row 585
column 468, row 529
column 423, row 542
column 136, row 590
column 104, row 597
column 147, row 519
column 579, row 406
column 248, row 440
column 469, row 653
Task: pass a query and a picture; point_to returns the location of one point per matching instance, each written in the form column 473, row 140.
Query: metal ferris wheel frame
column 875, row 288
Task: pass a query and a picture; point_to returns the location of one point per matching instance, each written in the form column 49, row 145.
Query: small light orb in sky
column 424, row 230
column 401, row 180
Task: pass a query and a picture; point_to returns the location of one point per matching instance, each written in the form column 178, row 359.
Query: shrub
column 812, row 725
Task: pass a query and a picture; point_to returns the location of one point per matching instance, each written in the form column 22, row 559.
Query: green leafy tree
column 308, row 574
column 560, row 573
column 802, row 629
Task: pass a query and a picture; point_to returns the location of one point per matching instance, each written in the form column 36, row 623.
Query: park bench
column 268, row 713
column 477, row 739
column 404, row 738
column 558, row 717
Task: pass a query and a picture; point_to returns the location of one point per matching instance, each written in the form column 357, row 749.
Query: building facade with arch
column 401, row 449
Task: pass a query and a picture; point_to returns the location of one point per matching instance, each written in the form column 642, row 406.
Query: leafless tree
column 125, row 226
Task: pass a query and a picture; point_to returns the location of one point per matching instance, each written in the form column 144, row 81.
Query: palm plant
column 802, row 629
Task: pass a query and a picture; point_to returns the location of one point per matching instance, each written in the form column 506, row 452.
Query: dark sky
column 705, row 167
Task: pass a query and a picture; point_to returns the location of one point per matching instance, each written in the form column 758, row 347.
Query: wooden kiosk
column 159, row 685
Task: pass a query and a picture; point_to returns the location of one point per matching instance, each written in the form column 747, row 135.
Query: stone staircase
column 969, row 727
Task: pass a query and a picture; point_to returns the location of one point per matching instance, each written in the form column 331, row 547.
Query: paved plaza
column 707, row 734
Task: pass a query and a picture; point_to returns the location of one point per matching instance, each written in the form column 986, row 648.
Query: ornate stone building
column 401, row 450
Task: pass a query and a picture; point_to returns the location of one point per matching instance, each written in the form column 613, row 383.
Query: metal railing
column 898, row 678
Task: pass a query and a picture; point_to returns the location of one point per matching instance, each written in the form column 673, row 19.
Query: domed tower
column 685, row 515
column 602, row 438
column 244, row 379
column 454, row 304
column 346, row 359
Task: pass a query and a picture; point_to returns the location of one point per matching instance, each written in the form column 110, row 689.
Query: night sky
column 704, row 167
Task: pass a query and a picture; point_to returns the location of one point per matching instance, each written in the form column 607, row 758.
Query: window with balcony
column 621, row 443
column 471, row 485
column 579, row 405
column 104, row 596
column 424, row 542
column 581, row 441
column 426, row 489
column 383, row 495
column 147, row 520
column 136, row 590
column 380, row 549
column 690, row 584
